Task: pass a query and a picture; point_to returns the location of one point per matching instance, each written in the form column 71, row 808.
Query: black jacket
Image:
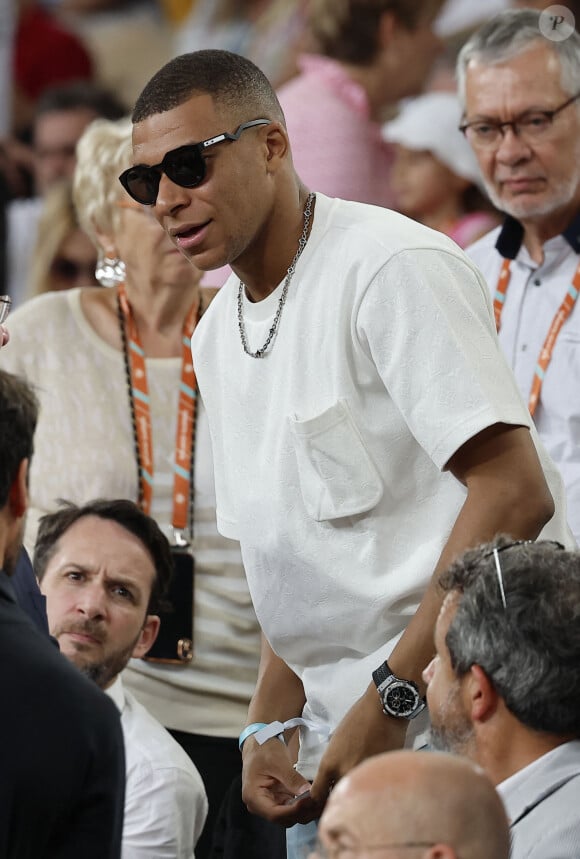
column 62, row 767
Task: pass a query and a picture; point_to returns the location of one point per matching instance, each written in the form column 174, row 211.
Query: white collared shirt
column 534, row 294
column 165, row 800
column 514, row 782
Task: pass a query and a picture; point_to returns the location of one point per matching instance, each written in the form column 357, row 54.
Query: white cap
column 431, row 122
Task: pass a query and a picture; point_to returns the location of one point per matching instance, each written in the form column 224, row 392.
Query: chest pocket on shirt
column 337, row 475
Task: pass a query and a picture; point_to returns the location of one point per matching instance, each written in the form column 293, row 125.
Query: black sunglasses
column 185, row 167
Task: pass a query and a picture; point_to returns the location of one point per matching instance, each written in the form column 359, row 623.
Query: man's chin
column 98, row 672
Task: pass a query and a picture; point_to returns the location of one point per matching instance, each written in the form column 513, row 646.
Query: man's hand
column 271, row 785
column 364, row 731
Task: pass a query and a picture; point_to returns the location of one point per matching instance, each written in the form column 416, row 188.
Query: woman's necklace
column 259, row 353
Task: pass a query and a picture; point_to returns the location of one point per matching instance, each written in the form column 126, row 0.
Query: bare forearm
column 510, row 498
column 279, row 693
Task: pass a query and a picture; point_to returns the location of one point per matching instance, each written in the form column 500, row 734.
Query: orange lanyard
column 141, row 416
column 561, row 316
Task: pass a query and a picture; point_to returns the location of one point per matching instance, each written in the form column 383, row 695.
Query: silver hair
column 508, row 35
column 529, row 649
column 103, row 152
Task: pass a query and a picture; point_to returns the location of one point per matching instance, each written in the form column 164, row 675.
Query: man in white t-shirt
column 103, row 568
column 504, row 687
column 520, row 86
column 365, row 426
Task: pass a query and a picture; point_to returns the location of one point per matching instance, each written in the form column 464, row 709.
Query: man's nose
column 512, row 147
column 170, row 198
column 93, row 602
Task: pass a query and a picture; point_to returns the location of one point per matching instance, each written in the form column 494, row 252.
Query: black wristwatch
column 400, row 698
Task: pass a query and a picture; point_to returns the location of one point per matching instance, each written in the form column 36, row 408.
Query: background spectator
column 435, row 177
column 369, row 55
column 62, row 114
column 528, row 149
column 504, row 686
column 46, row 54
column 268, row 32
column 104, row 569
column 64, row 256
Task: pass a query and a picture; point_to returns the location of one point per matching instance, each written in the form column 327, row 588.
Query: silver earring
column 109, row 271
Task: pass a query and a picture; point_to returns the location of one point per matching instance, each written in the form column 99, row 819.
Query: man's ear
column 18, row 494
column 276, row 138
column 148, row 635
column 479, row 695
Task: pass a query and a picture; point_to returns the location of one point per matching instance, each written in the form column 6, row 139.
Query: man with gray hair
column 504, row 686
column 519, row 80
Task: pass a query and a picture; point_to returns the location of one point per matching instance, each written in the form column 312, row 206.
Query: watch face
column 400, row 699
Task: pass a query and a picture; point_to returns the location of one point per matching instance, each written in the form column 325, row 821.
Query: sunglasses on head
column 184, row 166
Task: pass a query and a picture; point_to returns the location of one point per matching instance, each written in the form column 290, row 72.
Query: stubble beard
column 453, row 732
column 526, row 209
column 103, row 672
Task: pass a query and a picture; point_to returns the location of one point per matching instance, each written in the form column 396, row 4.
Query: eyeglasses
column 495, row 553
column 71, row 270
column 338, row 852
column 185, row 166
column 530, row 127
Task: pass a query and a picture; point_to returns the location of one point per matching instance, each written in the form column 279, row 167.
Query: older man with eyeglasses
column 414, row 805
column 519, row 79
column 504, row 686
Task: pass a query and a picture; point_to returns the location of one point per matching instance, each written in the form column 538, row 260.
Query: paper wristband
column 262, row 733
column 248, row 731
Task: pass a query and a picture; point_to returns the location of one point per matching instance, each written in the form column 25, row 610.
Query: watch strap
column 382, row 673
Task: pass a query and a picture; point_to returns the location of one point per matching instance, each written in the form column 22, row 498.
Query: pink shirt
column 337, row 148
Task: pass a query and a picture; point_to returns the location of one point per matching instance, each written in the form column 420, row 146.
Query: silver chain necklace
column 259, row 353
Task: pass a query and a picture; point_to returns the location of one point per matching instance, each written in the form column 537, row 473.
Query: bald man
column 442, row 805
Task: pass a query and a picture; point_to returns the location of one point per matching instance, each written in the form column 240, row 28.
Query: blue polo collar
column 511, row 236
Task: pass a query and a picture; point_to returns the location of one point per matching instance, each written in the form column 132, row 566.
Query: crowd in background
column 72, row 72
column 113, row 46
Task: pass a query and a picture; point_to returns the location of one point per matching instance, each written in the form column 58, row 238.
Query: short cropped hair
column 125, row 513
column 231, row 80
column 347, row 30
column 18, row 418
column 529, row 649
column 508, row 35
column 103, row 151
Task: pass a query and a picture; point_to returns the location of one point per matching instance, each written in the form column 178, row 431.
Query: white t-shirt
column 165, row 800
column 330, row 451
